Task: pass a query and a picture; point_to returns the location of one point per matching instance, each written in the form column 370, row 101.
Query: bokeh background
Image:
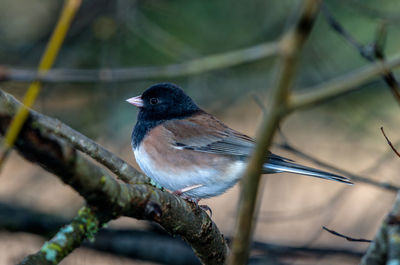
column 126, row 33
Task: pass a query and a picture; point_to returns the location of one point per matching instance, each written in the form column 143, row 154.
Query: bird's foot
column 181, row 194
column 205, row 208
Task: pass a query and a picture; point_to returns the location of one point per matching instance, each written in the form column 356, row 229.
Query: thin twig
column 339, row 29
column 388, row 75
column 390, row 143
column 363, row 8
column 346, row 237
column 341, row 85
column 290, row 47
column 57, row 38
column 192, row 67
column 259, row 103
column 371, row 52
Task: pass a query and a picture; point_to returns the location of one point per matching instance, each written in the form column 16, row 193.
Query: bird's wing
column 204, row 133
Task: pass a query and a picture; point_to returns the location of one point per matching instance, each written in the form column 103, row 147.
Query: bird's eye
column 153, row 101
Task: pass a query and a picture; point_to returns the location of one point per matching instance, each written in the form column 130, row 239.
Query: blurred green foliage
column 128, row 33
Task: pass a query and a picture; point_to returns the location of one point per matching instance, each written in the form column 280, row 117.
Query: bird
column 190, row 152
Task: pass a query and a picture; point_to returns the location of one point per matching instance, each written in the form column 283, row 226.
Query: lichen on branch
column 84, row 225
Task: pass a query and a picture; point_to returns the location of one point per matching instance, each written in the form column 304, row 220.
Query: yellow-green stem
column 48, row 58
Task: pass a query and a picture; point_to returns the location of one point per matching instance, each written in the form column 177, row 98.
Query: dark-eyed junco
column 190, row 152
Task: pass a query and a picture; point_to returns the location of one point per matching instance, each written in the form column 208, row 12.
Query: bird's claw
column 205, row 208
column 181, row 192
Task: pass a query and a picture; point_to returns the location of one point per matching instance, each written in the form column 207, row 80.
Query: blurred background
column 343, row 132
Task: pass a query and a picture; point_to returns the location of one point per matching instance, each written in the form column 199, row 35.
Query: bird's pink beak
column 137, row 101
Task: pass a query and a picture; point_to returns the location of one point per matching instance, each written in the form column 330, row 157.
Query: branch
column 390, row 143
column 372, row 52
column 364, row 9
column 346, row 237
column 385, row 248
column 137, row 244
column 79, row 141
column 340, row 85
column 334, row 24
column 290, row 47
column 110, row 197
column 85, row 225
column 193, row 67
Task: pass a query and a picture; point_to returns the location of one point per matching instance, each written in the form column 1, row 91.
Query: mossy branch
column 84, row 226
column 110, row 197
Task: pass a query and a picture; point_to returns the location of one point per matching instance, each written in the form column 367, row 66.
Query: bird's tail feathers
column 279, row 165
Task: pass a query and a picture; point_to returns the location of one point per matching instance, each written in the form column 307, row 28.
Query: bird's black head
column 160, row 103
column 163, row 102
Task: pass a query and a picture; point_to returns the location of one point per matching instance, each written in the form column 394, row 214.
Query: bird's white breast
column 173, row 177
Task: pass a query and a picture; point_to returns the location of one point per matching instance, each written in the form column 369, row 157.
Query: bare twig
column 113, row 198
column 346, row 237
column 290, row 47
column 372, row 52
column 260, row 104
column 390, row 143
column 339, row 29
column 193, row 67
column 364, row 9
column 341, row 85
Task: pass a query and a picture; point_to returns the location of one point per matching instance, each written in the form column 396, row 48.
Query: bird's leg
column 181, row 192
column 186, row 189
